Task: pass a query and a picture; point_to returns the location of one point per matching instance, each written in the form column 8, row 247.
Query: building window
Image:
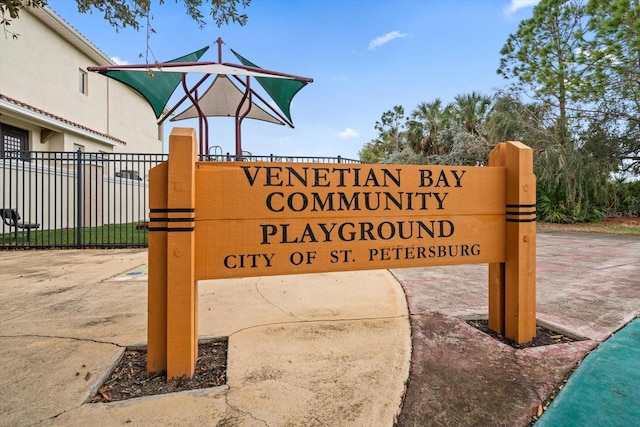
column 14, row 142
column 82, row 82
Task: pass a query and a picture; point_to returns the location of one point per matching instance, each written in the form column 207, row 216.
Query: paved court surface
column 588, row 285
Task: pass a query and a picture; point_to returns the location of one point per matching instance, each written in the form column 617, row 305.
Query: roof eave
column 52, row 123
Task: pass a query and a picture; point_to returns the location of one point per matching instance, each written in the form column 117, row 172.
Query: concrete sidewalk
column 308, row 350
column 322, row 349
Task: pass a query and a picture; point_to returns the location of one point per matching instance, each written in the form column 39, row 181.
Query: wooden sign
column 240, row 219
column 259, row 219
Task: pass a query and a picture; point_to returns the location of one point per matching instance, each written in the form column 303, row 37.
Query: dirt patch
column 544, row 336
column 129, row 379
column 614, row 224
column 623, row 219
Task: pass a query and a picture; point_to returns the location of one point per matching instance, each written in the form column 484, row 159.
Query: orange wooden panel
column 244, row 248
column 252, row 218
column 291, row 190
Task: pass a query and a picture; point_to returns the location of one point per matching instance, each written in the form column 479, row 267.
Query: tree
column 614, row 81
column 391, row 127
column 613, row 46
column 427, row 119
column 470, row 111
column 390, row 139
column 511, row 119
column 462, row 148
column 543, row 56
column 580, row 59
column 374, row 151
column 126, row 13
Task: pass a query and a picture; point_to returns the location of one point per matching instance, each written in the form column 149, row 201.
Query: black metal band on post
column 156, row 215
column 167, row 229
column 172, row 210
column 515, row 213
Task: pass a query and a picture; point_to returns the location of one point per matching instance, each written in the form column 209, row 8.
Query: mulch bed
column 544, row 336
column 130, row 380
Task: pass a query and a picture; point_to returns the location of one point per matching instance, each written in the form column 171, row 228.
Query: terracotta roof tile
column 61, row 119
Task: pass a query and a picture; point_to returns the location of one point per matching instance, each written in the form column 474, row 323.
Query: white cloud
column 516, row 5
column 119, row 61
column 348, row 133
column 379, row 41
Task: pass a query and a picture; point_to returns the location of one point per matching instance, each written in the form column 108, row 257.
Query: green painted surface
column 605, row 389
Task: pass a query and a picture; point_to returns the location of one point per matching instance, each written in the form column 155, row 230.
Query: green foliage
column 551, row 208
column 461, row 147
column 470, row 111
column 572, row 185
column 126, row 13
column 625, row 197
column 13, row 7
column 513, row 120
column 427, row 120
column 391, row 127
column 374, row 151
column 391, row 138
column 580, row 59
column 10, row 9
column 407, row 156
column 542, row 56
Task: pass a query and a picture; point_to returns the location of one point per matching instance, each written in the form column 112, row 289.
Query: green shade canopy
column 281, row 91
column 155, row 86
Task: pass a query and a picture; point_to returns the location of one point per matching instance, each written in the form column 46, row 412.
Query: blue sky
column 365, row 56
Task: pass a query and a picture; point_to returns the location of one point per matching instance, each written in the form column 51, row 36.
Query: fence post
column 79, row 200
column 512, row 284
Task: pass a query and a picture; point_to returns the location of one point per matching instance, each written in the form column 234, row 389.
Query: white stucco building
column 49, row 102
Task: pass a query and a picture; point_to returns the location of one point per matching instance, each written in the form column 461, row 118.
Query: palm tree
column 471, row 110
column 428, row 118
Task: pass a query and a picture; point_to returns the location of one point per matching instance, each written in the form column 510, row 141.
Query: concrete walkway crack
column 53, row 417
column 288, row 313
column 63, row 338
column 240, row 411
column 359, row 319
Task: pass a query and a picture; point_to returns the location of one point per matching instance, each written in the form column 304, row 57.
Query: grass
column 126, row 235
column 103, row 236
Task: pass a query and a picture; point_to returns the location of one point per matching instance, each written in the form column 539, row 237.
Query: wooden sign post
column 512, row 283
column 242, row 219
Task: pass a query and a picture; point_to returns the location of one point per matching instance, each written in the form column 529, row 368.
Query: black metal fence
column 86, row 200
column 274, row 158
